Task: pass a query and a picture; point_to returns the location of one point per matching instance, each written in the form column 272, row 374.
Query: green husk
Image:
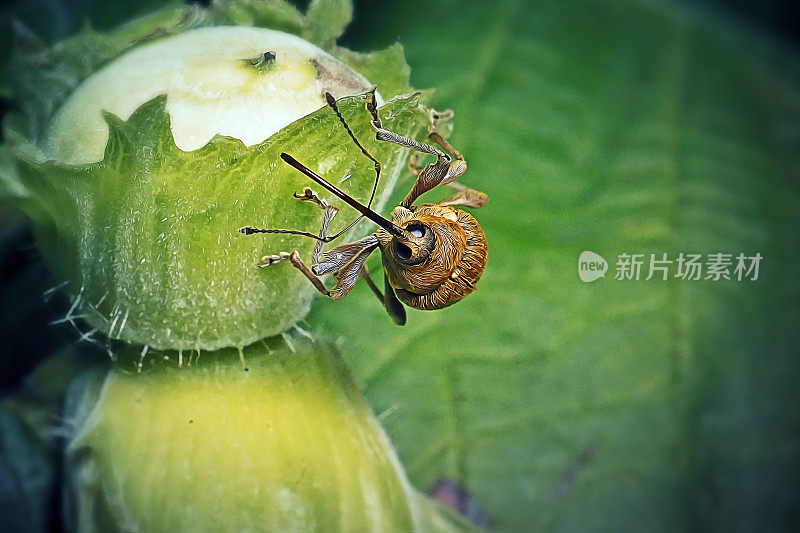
column 145, row 239
column 285, row 443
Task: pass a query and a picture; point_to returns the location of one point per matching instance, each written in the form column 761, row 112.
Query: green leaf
column 275, row 14
column 616, row 405
column 385, row 68
column 327, row 19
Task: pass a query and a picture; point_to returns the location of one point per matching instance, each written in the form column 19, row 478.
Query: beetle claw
column 307, row 195
column 272, row 259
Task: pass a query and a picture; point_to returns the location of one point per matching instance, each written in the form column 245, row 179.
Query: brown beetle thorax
column 422, row 267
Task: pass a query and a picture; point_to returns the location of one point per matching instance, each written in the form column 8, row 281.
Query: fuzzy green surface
column 142, row 230
column 287, row 444
column 148, row 237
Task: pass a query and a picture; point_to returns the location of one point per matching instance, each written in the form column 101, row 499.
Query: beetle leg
column 364, row 273
column 393, row 306
column 344, row 262
column 347, row 276
column 330, row 212
column 297, row 262
column 413, row 163
column 386, row 135
column 269, row 260
column 307, row 196
column 437, row 138
column 335, row 259
column 465, row 196
column 310, row 196
column 436, row 118
column 442, row 171
column 449, row 164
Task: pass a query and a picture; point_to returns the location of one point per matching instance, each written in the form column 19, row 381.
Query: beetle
column 432, row 254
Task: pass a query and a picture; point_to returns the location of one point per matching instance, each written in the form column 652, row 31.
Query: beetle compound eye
column 417, row 230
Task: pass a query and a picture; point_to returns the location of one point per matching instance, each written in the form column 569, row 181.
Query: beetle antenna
column 332, row 103
column 352, row 202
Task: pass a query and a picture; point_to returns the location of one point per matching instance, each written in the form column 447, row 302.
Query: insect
column 432, row 254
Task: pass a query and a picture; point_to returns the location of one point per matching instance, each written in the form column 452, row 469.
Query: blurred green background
column 616, row 127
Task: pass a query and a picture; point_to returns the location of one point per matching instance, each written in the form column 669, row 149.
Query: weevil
column 432, row 254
